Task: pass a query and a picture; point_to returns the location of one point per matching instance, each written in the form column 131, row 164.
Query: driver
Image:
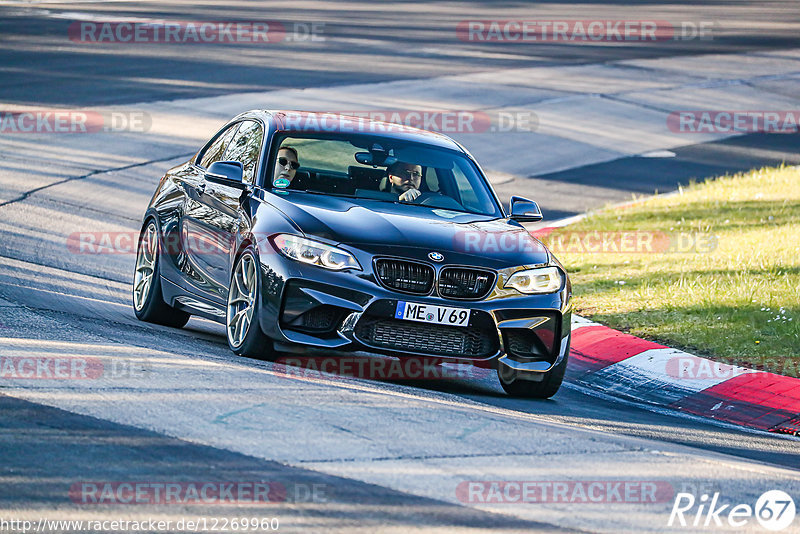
column 286, row 164
column 405, row 179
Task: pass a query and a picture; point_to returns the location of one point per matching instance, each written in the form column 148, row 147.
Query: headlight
column 315, row 253
column 531, row 281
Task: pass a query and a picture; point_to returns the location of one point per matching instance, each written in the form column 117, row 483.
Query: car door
column 192, row 233
column 215, row 214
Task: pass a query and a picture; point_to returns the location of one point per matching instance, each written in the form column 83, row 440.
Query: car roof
column 328, row 122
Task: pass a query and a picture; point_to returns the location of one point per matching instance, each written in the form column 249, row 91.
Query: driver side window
column 245, row 147
column 217, row 149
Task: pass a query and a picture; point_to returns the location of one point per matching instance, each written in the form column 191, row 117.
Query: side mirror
column 230, row 173
column 524, row 210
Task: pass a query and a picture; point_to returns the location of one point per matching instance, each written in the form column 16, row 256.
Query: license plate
column 426, row 313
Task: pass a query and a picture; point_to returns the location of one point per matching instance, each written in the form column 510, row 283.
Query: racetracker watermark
column 689, row 367
column 582, row 31
column 63, row 121
column 374, row 368
column 470, row 241
column 186, row 242
column 595, row 242
column 734, row 121
column 631, row 242
column 443, row 121
column 196, row 492
column 564, row 492
column 70, row 368
column 196, row 32
column 149, row 524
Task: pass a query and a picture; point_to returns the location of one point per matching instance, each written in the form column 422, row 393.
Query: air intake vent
column 435, row 340
column 405, row 276
column 319, row 319
column 465, row 283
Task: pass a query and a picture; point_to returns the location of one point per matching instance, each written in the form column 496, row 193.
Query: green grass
column 739, row 302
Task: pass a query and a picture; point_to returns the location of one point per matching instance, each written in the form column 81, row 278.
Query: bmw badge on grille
column 436, row 256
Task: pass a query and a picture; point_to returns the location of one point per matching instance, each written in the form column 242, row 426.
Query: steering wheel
column 437, row 200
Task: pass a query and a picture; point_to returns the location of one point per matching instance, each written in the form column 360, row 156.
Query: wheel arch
column 246, row 242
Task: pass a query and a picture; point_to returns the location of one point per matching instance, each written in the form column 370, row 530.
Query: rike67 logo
column 774, row 510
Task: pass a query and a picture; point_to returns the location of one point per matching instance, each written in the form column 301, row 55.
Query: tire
column 537, row 390
column 148, row 300
column 242, row 316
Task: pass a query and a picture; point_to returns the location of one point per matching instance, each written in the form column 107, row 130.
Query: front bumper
column 309, row 310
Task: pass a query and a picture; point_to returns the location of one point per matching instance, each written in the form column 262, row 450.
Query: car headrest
column 300, row 181
column 365, row 177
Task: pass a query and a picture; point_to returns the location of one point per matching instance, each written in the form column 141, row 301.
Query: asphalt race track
column 351, row 455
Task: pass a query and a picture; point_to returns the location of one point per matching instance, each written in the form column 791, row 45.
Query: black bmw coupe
column 323, row 233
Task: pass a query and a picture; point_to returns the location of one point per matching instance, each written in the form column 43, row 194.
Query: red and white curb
column 623, row 365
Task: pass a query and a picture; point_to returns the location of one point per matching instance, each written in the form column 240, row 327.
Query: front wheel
column 544, row 389
column 242, row 329
column 148, row 300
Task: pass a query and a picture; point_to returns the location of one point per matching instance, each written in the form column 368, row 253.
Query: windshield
column 382, row 170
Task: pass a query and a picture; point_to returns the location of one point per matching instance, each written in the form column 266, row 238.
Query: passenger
column 286, row 166
column 405, row 180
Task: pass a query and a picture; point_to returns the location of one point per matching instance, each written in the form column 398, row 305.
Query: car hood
column 395, row 229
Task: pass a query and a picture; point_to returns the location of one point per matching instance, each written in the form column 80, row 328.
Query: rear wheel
column 544, row 389
column 148, row 300
column 242, row 324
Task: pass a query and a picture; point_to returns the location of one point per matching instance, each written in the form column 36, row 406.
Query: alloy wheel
column 241, row 300
column 145, row 267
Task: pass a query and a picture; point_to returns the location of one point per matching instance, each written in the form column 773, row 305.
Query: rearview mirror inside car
column 364, row 158
column 375, row 157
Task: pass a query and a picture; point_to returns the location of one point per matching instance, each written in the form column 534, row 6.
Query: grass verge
column 713, row 269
